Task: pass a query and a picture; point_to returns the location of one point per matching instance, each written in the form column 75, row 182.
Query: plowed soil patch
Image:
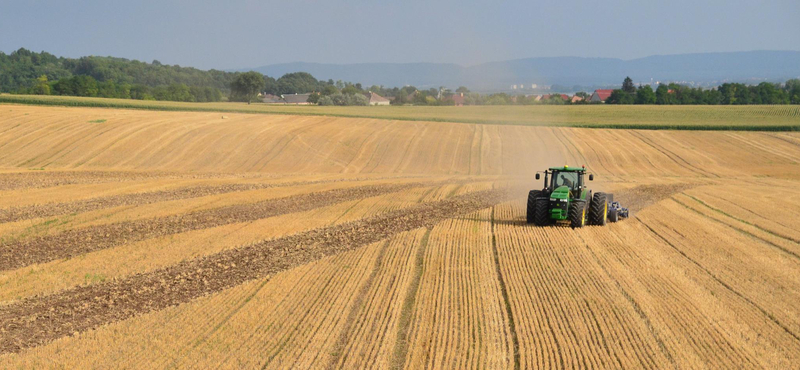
column 46, row 179
column 20, row 253
column 640, row 197
column 38, row 320
column 93, row 204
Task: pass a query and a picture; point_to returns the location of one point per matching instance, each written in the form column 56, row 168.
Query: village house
column 375, row 99
column 296, row 99
column 576, row 99
column 458, row 99
column 271, row 99
column 600, row 95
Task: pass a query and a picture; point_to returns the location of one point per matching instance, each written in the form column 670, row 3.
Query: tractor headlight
column 553, row 200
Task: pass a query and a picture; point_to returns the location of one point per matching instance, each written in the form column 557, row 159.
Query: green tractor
column 566, row 198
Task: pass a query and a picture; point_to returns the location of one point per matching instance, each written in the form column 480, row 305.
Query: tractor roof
column 568, row 169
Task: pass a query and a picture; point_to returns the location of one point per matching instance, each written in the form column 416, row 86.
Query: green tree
column 627, row 86
column 41, row 87
column 499, row 99
column 793, row 89
column 662, row 94
column 350, row 90
column 329, row 89
column 298, row 83
column 139, row 92
column 619, row 96
column 771, row 94
column 401, row 97
column 246, row 86
column 85, row 86
column 645, row 95
column 325, row 100
column 462, row 89
column 270, row 85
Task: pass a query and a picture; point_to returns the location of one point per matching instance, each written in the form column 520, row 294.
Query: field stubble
column 237, row 265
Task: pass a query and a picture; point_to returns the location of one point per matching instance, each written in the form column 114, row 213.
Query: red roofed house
column 601, row 95
column 458, row 99
column 375, row 99
column 576, row 99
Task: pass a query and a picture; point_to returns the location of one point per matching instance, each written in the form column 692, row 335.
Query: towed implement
column 565, row 198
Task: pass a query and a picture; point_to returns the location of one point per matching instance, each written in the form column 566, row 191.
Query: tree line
column 28, row 72
column 725, row 94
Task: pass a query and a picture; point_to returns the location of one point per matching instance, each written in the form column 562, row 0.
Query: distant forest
column 27, row 72
column 24, row 71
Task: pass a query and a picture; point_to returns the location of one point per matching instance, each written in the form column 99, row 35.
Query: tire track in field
column 70, row 243
column 356, row 308
column 504, row 292
column 56, row 209
column 400, row 351
column 39, row 320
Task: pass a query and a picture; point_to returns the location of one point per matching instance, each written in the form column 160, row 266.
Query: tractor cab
column 567, row 178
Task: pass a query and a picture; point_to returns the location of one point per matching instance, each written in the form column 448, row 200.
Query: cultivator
column 566, row 198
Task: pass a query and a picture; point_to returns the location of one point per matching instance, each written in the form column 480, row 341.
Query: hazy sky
column 244, row 33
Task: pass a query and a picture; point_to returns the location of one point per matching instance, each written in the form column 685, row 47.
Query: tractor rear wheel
column 532, row 195
column 598, row 209
column 577, row 214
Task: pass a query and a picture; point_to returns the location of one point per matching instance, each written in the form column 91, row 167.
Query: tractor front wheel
column 577, row 214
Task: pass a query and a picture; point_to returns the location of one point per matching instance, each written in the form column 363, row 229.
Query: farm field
column 166, row 239
column 750, row 118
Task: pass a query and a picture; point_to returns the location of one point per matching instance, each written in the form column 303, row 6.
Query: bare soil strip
column 47, row 179
column 38, row 320
column 93, row 204
column 21, row 253
column 640, row 197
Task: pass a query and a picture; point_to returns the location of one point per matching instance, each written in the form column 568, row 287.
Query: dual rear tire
column 598, row 209
column 538, row 212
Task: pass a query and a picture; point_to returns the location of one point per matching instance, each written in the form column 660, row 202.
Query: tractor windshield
column 568, row 179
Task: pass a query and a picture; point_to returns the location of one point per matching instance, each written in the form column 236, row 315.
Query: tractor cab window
column 568, row 179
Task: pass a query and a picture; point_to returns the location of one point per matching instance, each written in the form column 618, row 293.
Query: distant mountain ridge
column 702, row 68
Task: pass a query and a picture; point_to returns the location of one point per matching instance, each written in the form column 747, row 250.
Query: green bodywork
column 562, row 196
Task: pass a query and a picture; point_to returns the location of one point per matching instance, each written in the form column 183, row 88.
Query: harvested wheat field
column 150, row 239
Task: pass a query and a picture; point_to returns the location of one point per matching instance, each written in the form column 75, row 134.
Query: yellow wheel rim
column 605, row 213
